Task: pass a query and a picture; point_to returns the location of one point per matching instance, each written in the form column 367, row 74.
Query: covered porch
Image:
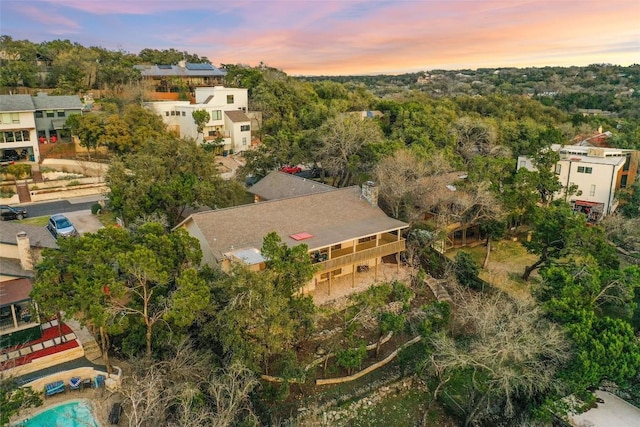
column 18, row 323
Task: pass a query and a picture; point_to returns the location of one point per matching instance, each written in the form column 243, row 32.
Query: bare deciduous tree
column 502, row 349
column 184, row 390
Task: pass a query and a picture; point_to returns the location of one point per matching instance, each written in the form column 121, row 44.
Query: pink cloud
column 47, row 17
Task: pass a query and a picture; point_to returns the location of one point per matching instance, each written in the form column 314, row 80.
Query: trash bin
column 224, row 153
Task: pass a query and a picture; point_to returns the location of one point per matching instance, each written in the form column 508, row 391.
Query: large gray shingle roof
column 61, row 102
column 280, row 185
column 39, row 236
column 15, row 103
column 330, row 217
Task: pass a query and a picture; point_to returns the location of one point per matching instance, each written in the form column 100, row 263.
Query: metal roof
column 189, row 70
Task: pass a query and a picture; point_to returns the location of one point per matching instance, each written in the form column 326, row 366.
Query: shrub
column 96, row 208
column 351, row 358
column 73, row 183
column 467, row 270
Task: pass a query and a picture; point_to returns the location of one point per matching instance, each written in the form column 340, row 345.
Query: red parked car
column 291, row 169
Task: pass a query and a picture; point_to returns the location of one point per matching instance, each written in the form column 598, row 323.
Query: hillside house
column 27, row 121
column 229, row 126
column 596, row 172
column 344, row 229
column 166, row 82
column 280, row 185
column 20, row 248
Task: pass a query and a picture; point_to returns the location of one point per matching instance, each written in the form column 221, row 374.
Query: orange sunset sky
column 348, row 36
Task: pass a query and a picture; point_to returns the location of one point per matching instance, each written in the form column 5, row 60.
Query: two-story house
column 18, row 127
column 228, row 127
column 51, row 113
column 20, row 249
column 345, row 231
column 27, row 121
column 590, row 177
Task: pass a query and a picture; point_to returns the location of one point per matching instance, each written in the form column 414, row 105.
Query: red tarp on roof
column 301, row 236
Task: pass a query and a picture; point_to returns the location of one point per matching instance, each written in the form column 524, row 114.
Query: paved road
column 61, row 206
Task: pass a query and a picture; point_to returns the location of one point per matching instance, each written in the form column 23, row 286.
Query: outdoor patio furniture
column 86, row 383
column 75, row 383
column 99, row 383
column 54, row 388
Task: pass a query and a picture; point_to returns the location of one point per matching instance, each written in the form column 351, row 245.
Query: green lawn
column 507, row 262
column 37, row 220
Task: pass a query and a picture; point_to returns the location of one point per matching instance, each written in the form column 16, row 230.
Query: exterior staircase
column 92, row 352
column 22, row 189
column 438, row 289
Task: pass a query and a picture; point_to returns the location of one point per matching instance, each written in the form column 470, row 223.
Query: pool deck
column 101, row 404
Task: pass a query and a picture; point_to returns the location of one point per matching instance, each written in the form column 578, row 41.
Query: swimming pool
column 76, row 413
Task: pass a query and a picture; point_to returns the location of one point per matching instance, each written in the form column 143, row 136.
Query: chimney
column 24, row 251
column 370, row 192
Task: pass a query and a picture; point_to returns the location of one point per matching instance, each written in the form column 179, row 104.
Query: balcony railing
column 364, row 252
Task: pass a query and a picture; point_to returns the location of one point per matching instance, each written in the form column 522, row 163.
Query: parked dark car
column 11, row 155
column 9, row 212
column 60, row 226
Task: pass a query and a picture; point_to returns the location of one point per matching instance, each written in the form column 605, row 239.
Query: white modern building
column 229, row 126
column 18, row 126
column 595, row 173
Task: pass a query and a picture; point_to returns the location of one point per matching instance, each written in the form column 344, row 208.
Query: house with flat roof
column 166, row 81
column 596, row 173
column 229, row 126
column 345, row 231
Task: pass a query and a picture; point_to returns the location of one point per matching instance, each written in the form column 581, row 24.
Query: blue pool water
column 70, row 414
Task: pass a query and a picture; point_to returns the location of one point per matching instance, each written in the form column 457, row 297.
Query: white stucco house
column 595, row 171
column 227, row 108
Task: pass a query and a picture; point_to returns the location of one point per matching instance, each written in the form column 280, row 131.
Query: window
column 627, row 163
column 558, row 168
column 623, row 181
column 245, row 128
column 216, row 114
column 173, row 113
column 166, row 113
column 244, row 142
column 212, row 133
column 39, row 114
column 10, row 118
column 584, row 169
column 229, row 99
column 184, row 114
column 50, row 113
column 592, row 190
column 61, row 113
column 26, row 136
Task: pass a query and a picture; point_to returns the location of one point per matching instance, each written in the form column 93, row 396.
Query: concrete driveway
column 84, row 221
